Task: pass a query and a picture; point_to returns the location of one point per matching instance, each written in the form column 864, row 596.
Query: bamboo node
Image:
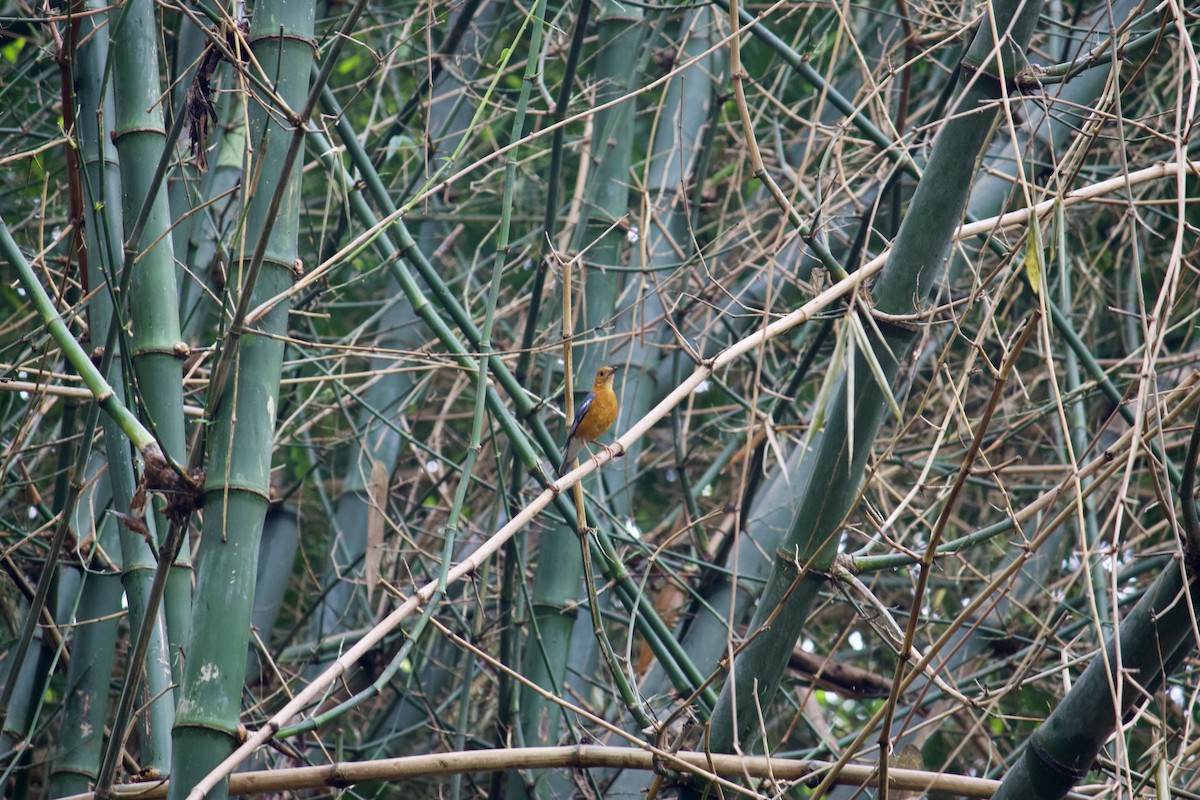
column 182, row 489
column 843, row 564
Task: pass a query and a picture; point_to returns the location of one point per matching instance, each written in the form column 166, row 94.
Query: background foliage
column 983, row 461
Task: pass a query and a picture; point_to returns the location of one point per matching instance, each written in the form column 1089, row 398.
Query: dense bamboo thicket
column 299, row 299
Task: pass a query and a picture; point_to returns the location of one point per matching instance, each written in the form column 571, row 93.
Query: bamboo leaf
column 868, row 352
column 1034, row 257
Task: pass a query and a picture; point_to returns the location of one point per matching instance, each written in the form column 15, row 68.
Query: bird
column 595, row 415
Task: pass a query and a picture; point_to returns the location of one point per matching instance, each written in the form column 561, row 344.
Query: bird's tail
column 573, row 448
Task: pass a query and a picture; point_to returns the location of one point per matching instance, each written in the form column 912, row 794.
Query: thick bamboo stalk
column 237, row 489
column 855, row 411
column 663, row 233
column 77, row 759
column 155, row 349
column 620, row 32
column 1131, row 665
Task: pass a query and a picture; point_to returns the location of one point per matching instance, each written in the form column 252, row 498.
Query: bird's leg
column 612, row 453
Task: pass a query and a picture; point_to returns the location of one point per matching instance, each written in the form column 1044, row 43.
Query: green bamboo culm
column 78, row 748
column 154, row 349
column 620, row 31
column 559, row 570
column 237, row 486
column 674, row 154
column 855, row 412
column 1151, row 641
column 140, row 137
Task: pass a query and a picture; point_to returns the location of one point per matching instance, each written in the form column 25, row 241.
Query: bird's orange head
column 604, row 377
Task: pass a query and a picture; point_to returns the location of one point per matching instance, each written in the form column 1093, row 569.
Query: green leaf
column 12, row 50
column 863, row 343
column 1034, row 257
